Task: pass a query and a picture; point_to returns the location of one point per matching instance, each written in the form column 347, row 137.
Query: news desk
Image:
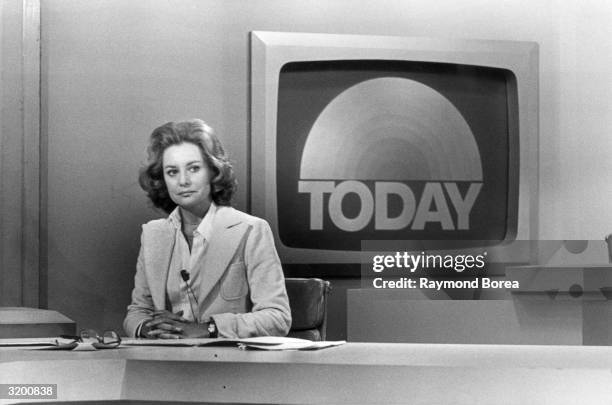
column 353, row 373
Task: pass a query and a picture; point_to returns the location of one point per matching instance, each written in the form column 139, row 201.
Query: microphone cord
column 185, row 276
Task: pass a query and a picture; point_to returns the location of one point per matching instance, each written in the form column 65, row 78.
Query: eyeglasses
column 109, row 339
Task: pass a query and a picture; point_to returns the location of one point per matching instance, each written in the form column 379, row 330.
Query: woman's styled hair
column 197, row 132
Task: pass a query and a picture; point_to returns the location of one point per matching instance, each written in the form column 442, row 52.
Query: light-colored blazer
column 244, row 288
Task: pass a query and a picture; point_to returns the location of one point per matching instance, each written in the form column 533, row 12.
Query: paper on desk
column 271, row 342
column 260, row 340
column 180, row 342
column 49, row 344
column 50, row 341
column 308, row 345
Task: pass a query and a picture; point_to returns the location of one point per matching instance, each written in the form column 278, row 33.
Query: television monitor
column 366, row 138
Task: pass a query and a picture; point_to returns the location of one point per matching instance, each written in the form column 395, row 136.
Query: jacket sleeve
column 270, row 314
column 141, row 307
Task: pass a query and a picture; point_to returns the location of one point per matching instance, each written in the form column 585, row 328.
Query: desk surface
column 353, row 373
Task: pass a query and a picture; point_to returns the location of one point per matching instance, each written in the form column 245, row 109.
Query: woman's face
column 187, row 177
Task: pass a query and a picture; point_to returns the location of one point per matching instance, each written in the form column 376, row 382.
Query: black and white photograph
column 305, row 202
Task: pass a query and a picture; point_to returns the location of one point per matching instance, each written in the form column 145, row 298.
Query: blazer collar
column 159, row 246
column 227, row 232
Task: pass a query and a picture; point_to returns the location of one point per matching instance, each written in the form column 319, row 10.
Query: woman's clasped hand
column 168, row 325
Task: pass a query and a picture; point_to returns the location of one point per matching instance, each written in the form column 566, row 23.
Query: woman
column 206, row 270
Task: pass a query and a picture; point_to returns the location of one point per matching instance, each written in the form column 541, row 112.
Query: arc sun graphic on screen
column 358, row 138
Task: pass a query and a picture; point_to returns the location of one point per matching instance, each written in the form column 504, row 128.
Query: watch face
column 212, row 330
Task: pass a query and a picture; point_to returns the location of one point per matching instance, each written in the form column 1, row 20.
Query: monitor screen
column 375, row 149
column 367, row 138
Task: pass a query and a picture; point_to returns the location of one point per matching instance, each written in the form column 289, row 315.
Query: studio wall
column 113, row 70
column 20, row 153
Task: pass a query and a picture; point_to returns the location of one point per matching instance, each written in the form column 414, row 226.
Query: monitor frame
column 270, row 51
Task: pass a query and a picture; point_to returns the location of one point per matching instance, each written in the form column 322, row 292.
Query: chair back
column 308, row 302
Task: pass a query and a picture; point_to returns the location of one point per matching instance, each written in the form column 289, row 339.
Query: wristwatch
column 212, row 329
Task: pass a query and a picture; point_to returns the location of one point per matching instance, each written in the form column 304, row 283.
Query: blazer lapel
column 161, row 245
column 226, row 234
